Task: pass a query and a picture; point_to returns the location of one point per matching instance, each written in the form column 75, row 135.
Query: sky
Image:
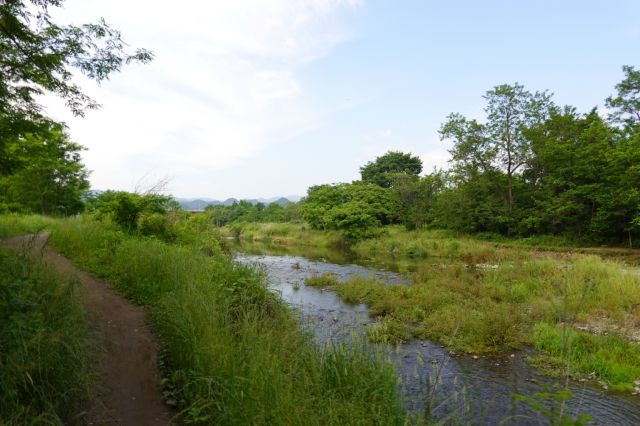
column 252, row 98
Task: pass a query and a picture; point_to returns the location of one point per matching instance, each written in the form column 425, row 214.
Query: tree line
column 532, row 167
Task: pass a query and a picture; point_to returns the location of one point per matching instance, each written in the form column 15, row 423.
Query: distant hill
column 201, row 204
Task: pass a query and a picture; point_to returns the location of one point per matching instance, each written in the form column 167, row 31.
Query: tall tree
column 48, row 175
column 626, row 105
column 500, row 142
column 379, row 171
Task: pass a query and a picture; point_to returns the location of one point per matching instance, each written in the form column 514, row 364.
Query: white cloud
column 222, row 87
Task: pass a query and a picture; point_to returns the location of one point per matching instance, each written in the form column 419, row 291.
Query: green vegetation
column 575, row 353
column 241, row 212
column 43, row 344
column 294, row 234
column 233, row 353
column 16, row 224
column 381, row 171
column 357, row 209
column 324, row 280
column 43, row 173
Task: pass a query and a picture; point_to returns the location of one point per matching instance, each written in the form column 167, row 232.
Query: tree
column 626, row 105
column 499, row 143
column 47, row 174
column 129, row 210
column 37, row 56
column 356, row 209
column 379, row 171
column 571, row 173
column 415, row 196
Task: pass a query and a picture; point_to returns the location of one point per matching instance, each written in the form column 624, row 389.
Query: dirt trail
column 126, row 389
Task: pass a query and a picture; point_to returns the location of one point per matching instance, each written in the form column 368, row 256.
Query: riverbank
column 478, row 297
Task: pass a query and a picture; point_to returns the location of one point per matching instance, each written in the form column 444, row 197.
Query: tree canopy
column 356, row 209
column 501, row 142
column 37, row 56
column 379, row 171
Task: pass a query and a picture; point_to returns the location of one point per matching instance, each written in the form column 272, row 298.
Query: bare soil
column 126, row 389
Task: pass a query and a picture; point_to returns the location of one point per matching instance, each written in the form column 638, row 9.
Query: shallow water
column 471, row 391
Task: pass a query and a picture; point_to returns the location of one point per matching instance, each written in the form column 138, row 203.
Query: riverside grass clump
column 232, row 352
column 608, row 358
column 285, row 234
column 43, row 342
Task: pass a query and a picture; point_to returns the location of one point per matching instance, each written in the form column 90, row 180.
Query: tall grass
column 43, row 344
column 17, row 224
column 608, row 358
column 232, row 352
column 285, row 234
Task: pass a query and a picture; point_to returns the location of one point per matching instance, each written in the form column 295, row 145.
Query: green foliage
column 38, row 56
column 534, row 169
column 243, row 212
column 43, row 344
column 145, row 214
column 626, row 105
column 43, row 173
column 356, row 209
column 500, row 143
column 324, row 280
column 15, row 224
column 415, row 197
column 388, row 330
column 613, row 360
column 393, row 162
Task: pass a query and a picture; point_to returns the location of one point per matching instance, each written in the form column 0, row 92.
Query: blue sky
column 264, row 98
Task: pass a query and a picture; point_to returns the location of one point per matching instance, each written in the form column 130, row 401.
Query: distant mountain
column 195, row 204
column 198, row 204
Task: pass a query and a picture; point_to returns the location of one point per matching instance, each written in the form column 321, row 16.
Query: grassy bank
column 486, row 297
column 17, row 224
column 43, row 342
column 296, row 234
column 233, row 353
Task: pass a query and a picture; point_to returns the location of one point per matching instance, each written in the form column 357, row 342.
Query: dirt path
column 126, row 389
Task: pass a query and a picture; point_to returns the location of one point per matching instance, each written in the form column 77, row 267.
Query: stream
column 454, row 389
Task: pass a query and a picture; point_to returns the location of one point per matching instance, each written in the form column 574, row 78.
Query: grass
column 325, row 280
column 43, row 342
column 232, row 352
column 16, row 224
column 614, row 360
column 482, row 297
column 297, row 234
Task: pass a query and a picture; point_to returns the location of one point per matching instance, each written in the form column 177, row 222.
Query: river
column 461, row 389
